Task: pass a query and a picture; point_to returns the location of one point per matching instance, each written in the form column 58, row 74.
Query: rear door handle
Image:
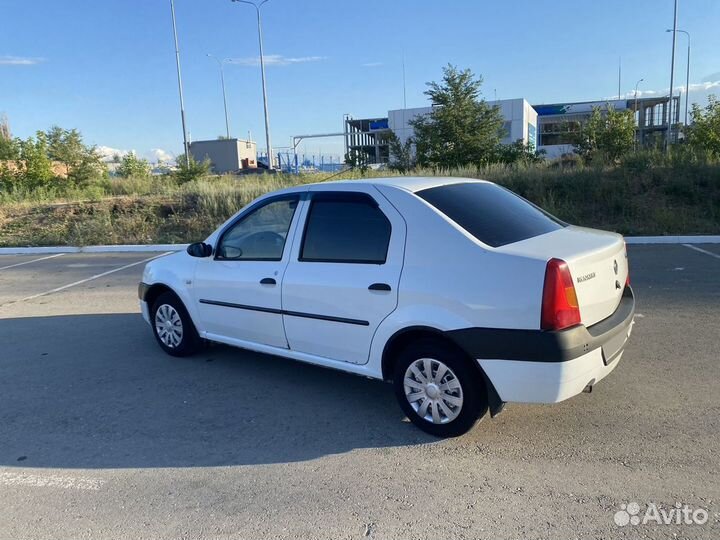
column 268, row 281
column 379, row 287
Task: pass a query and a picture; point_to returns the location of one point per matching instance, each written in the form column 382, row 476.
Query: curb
column 150, row 248
column 672, row 239
column 129, row 248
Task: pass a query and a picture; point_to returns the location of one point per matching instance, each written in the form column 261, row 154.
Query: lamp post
column 672, row 79
column 180, row 87
column 222, row 83
column 636, row 109
column 687, row 73
column 257, row 7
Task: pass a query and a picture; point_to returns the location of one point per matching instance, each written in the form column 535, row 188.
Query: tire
column 445, row 407
column 172, row 326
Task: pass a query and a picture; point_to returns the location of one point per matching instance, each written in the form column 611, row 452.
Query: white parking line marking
column 701, row 250
column 50, row 480
column 34, row 260
column 80, row 282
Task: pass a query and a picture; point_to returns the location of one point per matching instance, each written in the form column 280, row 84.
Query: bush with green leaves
column 190, row 169
column 54, row 159
column 606, row 136
column 402, row 157
column 703, row 135
column 131, row 166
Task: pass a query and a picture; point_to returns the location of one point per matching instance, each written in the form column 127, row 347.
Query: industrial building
column 550, row 127
column 559, row 124
column 226, row 155
column 367, row 137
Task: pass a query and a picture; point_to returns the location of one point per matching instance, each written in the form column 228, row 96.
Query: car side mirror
column 199, row 249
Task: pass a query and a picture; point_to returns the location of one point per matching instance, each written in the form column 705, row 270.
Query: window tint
column 347, row 227
column 261, row 234
column 493, row 215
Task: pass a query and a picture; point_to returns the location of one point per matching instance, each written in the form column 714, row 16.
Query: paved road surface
column 103, row 436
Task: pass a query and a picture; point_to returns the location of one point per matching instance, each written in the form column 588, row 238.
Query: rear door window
column 345, row 227
column 492, row 214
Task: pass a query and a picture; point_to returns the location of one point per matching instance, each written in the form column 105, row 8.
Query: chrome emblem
column 615, row 267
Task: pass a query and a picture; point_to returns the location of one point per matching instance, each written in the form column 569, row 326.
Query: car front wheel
column 438, row 389
column 172, row 326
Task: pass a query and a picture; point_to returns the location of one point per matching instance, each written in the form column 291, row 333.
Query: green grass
column 639, row 197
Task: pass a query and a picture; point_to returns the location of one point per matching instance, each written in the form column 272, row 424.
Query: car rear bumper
column 535, row 366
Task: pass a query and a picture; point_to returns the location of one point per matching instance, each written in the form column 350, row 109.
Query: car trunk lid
column 597, row 261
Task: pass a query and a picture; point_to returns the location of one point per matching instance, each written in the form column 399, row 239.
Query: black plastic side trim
column 286, row 312
column 143, row 289
column 543, row 346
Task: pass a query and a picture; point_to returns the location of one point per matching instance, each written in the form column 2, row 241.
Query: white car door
column 343, row 275
column 238, row 290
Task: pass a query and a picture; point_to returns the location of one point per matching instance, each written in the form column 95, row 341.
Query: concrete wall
column 225, row 155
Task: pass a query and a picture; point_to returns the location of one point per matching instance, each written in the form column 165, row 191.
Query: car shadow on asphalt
column 96, row 391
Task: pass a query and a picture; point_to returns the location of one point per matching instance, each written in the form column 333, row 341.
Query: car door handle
column 379, row 287
column 268, row 281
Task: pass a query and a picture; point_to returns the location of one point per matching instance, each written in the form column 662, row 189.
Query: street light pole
column 636, row 110
column 180, row 88
column 262, row 74
column 672, row 78
column 222, row 83
column 687, row 73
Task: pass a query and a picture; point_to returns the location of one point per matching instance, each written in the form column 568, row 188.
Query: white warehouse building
column 366, row 137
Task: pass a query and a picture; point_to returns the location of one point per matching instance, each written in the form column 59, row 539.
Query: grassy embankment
column 635, row 199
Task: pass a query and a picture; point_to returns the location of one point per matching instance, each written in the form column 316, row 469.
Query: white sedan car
column 463, row 294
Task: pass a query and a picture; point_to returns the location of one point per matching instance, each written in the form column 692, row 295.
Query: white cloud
column 694, row 87
column 276, row 60
column 108, row 153
column 19, row 61
column 161, row 156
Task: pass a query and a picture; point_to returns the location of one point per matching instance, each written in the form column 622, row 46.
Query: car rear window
column 492, row 214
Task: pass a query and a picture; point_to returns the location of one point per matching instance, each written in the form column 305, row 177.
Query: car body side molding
column 330, row 318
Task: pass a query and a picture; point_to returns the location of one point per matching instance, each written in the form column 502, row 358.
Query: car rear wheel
column 172, row 326
column 438, row 389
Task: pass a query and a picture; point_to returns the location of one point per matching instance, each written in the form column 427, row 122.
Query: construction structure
column 559, row 124
column 226, row 155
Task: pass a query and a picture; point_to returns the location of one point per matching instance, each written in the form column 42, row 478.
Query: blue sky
column 107, row 68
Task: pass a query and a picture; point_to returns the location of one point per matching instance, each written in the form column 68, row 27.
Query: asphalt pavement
column 104, row 436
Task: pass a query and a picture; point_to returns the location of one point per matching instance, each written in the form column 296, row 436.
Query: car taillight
column 627, row 265
column 559, row 303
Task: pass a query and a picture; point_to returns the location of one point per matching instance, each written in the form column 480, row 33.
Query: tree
column 611, row 134
column 36, row 167
column 462, row 128
column 189, row 170
column 402, row 158
column 82, row 163
column 704, row 132
column 9, row 148
column 132, row 166
column 357, row 160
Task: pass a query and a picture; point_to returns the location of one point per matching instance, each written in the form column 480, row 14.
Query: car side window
column 345, row 227
column 259, row 235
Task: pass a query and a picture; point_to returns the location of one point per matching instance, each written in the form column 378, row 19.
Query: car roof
column 407, row 183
